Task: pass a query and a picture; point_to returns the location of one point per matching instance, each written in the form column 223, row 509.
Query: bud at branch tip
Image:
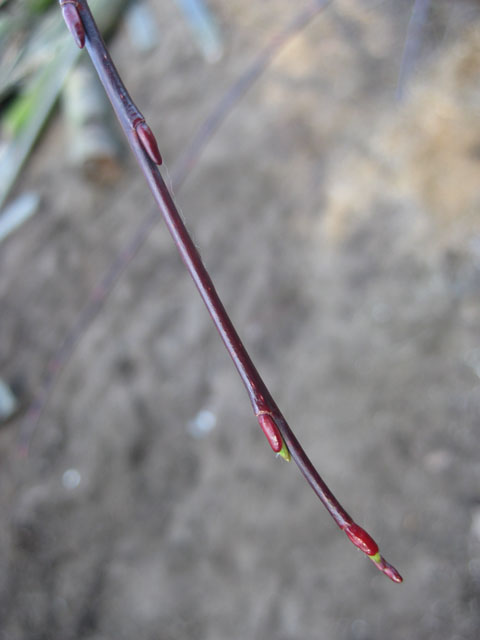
column 361, row 539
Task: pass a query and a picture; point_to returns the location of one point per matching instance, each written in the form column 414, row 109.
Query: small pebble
column 71, row 479
column 204, row 422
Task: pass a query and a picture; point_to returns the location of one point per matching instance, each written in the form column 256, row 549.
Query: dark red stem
column 145, row 149
column 129, row 117
column 179, row 173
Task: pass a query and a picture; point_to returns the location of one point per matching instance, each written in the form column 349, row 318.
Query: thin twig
column 142, row 142
column 180, row 172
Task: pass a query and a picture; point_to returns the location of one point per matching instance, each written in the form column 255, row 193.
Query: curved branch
column 143, row 144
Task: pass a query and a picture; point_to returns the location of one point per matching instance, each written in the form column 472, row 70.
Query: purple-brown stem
column 180, row 171
column 146, row 151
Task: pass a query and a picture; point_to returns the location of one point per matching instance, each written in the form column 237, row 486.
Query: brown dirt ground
column 343, row 232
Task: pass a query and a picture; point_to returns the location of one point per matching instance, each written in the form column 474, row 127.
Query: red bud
column 74, row 23
column 361, row 539
column 271, row 431
column 149, row 142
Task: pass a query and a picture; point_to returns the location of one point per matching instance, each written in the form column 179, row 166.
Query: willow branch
column 144, row 146
column 180, row 172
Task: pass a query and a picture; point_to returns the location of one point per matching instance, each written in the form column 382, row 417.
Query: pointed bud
column 149, row 142
column 367, row 544
column 386, row 568
column 392, row 573
column 74, row 23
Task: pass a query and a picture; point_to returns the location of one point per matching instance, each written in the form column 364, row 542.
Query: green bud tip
column 376, row 557
column 284, row 452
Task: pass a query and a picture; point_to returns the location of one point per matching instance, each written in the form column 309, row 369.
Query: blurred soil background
column 342, row 228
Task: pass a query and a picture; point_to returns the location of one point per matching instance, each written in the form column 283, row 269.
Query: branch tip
column 386, row 568
column 363, row 540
